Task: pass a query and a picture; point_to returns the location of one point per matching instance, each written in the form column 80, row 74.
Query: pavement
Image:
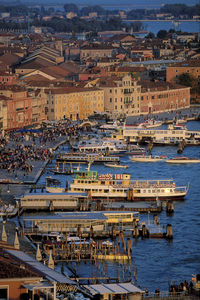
column 166, row 116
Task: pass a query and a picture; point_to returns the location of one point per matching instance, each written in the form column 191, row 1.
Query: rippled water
column 158, row 260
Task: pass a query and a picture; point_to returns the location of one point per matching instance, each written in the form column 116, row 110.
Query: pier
column 94, row 158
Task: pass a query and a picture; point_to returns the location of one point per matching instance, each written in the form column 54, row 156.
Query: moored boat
column 182, row 160
column 120, row 187
column 116, row 165
column 147, row 158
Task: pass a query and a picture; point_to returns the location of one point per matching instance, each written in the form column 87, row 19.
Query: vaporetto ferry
column 120, row 187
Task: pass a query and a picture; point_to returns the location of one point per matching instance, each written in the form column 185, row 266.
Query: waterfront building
column 3, row 112
column 23, row 277
column 161, row 96
column 71, row 222
column 73, row 103
column 122, row 95
column 18, row 107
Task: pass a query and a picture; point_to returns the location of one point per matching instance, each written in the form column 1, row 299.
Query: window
column 4, row 293
column 115, row 100
column 110, row 100
column 110, row 91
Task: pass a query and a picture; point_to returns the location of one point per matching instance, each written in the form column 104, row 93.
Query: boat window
column 82, row 181
column 162, row 191
column 144, row 191
column 158, row 191
column 153, row 191
column 149, row 191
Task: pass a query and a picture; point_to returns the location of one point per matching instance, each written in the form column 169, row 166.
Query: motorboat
column 111, row 126
column 116, row 165
column 135, row 150
column 147, row 158
column 182, row 160
column 150, row 123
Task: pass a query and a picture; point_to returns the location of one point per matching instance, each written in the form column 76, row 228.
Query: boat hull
column 189, row 161
column 139, row 199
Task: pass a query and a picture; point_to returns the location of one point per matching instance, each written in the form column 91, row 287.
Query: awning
column 38, row 285
column 113, row 288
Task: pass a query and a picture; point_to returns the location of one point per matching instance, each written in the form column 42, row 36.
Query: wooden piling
column 169, row 232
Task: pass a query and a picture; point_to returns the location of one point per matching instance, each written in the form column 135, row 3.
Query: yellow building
column 73, row 103
column 3, row 112
column 122, row 95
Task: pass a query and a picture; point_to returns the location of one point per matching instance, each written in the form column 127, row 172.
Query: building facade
column 122, row 96
column 73, row 103
column 163, row 97
column 191, row 67
column 18, row 107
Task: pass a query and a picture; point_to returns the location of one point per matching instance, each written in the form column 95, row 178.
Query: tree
column 162, row 34
column 186, row 79
column 89, row 9
column 71, row 8
column 150, row 35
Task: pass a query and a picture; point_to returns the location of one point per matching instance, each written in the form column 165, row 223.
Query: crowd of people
column 20, row 158
column 181, row 288
column 18, row 149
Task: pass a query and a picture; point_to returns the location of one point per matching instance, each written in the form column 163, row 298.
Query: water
column 158, row 260
column 184, row 26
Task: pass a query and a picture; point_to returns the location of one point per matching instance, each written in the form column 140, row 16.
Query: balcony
column 127, row 91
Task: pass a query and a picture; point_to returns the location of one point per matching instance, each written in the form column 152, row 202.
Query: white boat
column 120, row 187
column 116, row 166
column 150, row 123
column 103, row 147
column 147, row 158
column 183, row 160
column 111, row 126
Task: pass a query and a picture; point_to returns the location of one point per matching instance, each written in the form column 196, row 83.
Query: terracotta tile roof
column 70, row 90
column 55, row 71
column 70, row 66
column 13, row 88
column 132, row 69
column 10, row 268
column 36, row 64
column 9, row 59
column 158, row 85
column 96, row 47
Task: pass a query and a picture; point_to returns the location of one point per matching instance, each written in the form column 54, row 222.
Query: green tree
column 162, row 34
column 186, row 80
column 71, row 7
column 150, row 35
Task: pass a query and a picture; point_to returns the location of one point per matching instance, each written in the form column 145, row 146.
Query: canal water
column 158, row 261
